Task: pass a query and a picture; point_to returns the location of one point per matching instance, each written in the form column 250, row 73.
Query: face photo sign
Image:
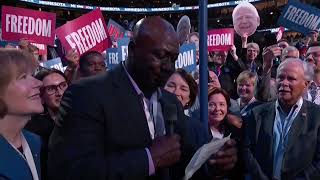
column 245, row 19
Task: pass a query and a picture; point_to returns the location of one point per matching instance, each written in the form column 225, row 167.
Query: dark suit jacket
column 229, row 73
column 302, row 155
column 104, row 131
column 12, row 165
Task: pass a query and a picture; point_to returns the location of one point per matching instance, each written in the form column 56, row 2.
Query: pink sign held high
column 36, row 26
column 220, row 39
column 86, row 33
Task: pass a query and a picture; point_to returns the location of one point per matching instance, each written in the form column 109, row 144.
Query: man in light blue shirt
column 282, row 139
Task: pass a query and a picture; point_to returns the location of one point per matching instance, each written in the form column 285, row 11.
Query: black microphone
column 171, row 111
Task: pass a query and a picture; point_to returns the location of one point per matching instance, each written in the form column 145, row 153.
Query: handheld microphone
column 171, row 111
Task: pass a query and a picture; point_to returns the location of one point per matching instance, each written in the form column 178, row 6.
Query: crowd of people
column 141, row 119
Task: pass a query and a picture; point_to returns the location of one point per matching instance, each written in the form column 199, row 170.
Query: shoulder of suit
column 92, row 80
column 89, row 84
column 312, row 106
column 264, row 107
column 36, row 140
column 30, row 135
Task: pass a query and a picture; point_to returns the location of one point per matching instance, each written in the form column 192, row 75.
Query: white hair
column 245, row 4
column 306, row 67
column 290, row 48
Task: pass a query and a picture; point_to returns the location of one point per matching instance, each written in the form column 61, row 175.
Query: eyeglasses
column 52, row 89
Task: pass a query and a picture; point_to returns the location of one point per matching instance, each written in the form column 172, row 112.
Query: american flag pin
column 304, row 114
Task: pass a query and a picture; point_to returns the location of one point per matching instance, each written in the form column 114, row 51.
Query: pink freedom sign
column 42, row 48
column 36, row 26
column 86, row 33
column 220, row 39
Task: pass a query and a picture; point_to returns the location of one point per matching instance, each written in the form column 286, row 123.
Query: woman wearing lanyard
column 245, row 88
column 19, row 99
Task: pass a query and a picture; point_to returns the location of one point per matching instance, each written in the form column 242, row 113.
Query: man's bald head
column 153, row 26
column 153, row 51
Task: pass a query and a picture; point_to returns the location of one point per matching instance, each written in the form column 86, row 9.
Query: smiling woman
column 183, row 86
column 20, row 98
column 54, row 85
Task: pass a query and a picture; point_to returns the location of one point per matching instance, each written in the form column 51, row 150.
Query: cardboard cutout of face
column 183, row 29
column 245, row 19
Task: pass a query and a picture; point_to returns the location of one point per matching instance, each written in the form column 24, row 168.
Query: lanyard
column 243, row 110
column 27, row 157
column 285, row 124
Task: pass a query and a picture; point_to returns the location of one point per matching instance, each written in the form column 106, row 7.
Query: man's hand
column 165, row 151
column 72, row 57
column 244, row 40
column 23, row 43
column 233, row 52
column 269, row 54
column 226, row 158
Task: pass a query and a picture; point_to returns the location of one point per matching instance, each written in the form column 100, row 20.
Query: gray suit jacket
column 302, row 155
column 264, row 92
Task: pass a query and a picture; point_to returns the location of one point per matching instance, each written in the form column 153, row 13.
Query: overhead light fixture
column 271, row 13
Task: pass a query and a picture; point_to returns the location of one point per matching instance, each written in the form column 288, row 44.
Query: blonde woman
column 19, row 99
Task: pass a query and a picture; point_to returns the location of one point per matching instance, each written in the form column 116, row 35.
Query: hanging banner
column 86, row 33
column 134, row 10
column 36, row 26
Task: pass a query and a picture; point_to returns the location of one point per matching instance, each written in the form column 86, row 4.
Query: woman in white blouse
column 19, row 99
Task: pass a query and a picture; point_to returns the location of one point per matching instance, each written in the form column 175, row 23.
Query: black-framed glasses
column 52, row 89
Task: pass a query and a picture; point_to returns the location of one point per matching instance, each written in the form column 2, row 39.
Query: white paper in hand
column 202, row 155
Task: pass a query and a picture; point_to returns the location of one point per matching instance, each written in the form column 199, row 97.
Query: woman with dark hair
column 218, row 104
column 19, row 99
column 183, row 86
column 54, row 85
column 220, row 127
